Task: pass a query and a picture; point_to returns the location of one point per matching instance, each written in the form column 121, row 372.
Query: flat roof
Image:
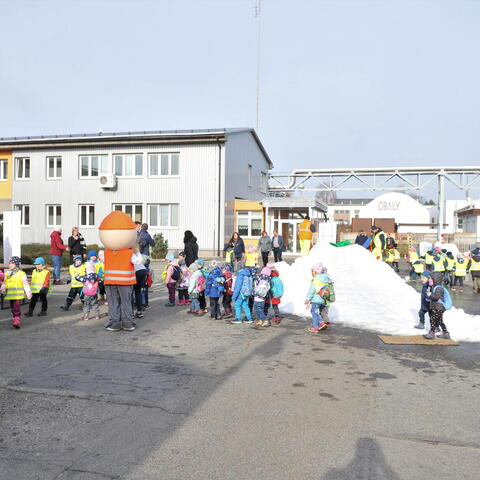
column 131, row 137
column 293, row 202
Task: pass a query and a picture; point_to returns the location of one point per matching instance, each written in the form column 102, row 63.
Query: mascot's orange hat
column 117, row 220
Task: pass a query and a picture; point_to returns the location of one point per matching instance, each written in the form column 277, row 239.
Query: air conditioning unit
column 108, row 180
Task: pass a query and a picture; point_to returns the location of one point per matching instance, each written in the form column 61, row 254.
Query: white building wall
column 241, row 151
column 195, row 190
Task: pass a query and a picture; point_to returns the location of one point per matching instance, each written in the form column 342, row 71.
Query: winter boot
column 16, row 322
column 68, row 303
column 444, row 335
column 43, row 313
column 420, row 326
column 86, row 316
column 181, row 302
column 430, row 335
column 29, row 314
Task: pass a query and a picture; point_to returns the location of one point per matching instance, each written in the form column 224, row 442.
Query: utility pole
column 258, row 10
column 441, row 204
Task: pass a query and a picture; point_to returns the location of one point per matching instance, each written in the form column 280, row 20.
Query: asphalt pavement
column 194, row 398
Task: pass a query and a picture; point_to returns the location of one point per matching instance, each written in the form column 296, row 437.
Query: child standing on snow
column 426, row 279
column 275, row 294
column 182, row 285
column 315, row 298
column 77, row 269
column 228, row 292
column 261, row 288
column 214, row 289
column 16, row 288
column 172, row 277
column 40, row 287
column 241, row 293
column 195, row 287
column 438, row 300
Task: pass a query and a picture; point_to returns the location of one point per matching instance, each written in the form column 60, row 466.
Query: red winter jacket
column 56, row 244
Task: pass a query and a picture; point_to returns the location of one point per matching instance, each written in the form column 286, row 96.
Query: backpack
column 149, row 280
column 247, row 287
column 176, row 274
column 326, row 291
column 229, row 256
column 219, row 284
column 200, row 286
column 90, row 288
column 262, row 287
column 277, row 287
column 447, row 299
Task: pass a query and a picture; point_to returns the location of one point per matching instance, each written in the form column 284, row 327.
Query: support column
column 441, row 204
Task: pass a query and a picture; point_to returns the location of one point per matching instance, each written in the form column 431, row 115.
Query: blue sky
column 359, row 83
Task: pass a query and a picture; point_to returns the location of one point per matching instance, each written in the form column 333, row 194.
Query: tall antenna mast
column 258, row 11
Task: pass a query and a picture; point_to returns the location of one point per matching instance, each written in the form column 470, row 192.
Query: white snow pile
column 369, row 294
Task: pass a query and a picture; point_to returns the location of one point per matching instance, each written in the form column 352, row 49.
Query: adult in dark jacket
column 277, row 247
column 191, row 247
column 56, row 252
column 391, row 243
column 238, row 250
column 265, row 245
column 77, row 245
column 145, row 240
column 361, row 238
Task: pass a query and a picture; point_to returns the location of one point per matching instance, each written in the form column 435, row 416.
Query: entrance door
column 289, row 232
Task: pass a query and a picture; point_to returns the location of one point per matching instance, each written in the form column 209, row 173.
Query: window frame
column 263, row 182
column 22, row 207
column 124, row 155
column 56, row 158
column 100, row 173
column 16, row 162
column 169, row 226
column 250, row 176
column 134, row 205
column 80, row 206
column 159, row 165
column 56, row 205
column 250, row 215
column 3, row 161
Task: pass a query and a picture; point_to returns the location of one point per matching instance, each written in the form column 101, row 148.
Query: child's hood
column 323, row 277
column 245, row 272
column 216, row 272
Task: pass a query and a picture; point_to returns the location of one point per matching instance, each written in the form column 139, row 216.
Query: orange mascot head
column 118, row 231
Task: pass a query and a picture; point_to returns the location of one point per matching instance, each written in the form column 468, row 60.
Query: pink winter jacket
column 169, row 278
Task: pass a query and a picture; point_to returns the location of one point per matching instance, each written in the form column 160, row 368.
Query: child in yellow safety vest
column 449, row 266
column 393, row 258
column 78, row 269
column 459, row 272
column 16, row 288
column 418, row 268
column 251, row 257
column 41, row 285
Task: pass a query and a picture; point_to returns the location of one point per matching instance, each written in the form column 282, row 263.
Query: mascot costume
column 118, row 234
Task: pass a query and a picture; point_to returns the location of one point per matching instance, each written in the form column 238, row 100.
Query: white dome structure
column 403, row 208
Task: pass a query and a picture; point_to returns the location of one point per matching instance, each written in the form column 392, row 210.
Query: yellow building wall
column 6, row 186
column 248, row 206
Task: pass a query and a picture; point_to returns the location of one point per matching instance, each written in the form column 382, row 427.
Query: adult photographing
column 76, row 244
column 265, row 245
column 191, row 247
column 277, row 247
column 145, row 241
column 236, row 242
column 56, row 252
column 378, row 241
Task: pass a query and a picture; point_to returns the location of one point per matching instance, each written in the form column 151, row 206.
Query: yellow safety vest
column 428, row 259
column 396, row 255
column 38, row 279
column 450, row 264
column 460, row 268
column 438, row 265
column 251, row 259
column 98, row 266
column 418, row 268
column 304, row 231
column 389, row 256
column 80, row 271
column 413, row 257
column 474, row 266
column 14, row 284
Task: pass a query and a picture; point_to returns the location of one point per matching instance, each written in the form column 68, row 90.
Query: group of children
column 252, row 291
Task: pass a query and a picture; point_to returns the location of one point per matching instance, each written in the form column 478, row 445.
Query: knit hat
column 77, row 258
column 92, row 253
column 437, row 278
column 90, row 267
column 39, row 261
column 318, row 268
column 194, row 267
column 426, row 274
column 266, row 271
column 200, row 262
column 101, row 255
column 170, row 257
column 15, row 260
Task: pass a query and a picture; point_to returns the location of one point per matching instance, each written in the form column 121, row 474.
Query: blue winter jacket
column 244, row 272
column 425, row 301
column 211, row 287
column 312, row 295
column 145, row 241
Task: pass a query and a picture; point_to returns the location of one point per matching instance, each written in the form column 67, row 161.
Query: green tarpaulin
column 343, row 243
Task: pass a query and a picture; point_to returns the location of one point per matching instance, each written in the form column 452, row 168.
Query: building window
column 460, row 223
column 264, row 184
column 25, row 214
column 249, row 224
column 93, row 165
column 356, row 213
column 135, row 210
column 130, row 165
column 250, row 175
column 54, row 168
column 163, row 164
column 87, row 215
column 22, row 168
column 3, row 170
column 163, row 215
column 54, row 215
